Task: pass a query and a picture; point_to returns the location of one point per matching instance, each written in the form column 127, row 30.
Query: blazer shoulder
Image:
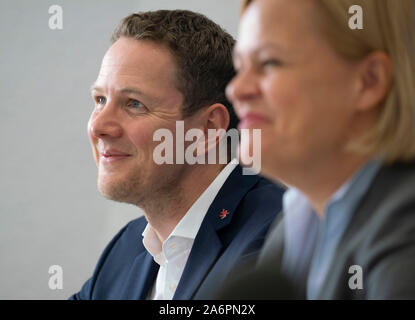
column 388, row 207
column 266, row 197
column 127, row 237
column 380, row 239
column 120, row 246
column 132, row 230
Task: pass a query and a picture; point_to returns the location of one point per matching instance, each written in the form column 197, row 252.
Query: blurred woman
column 336, row 109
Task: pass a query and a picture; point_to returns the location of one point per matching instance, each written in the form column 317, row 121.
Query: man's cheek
column 143, row 141
column 95, row 153
column 96, row 157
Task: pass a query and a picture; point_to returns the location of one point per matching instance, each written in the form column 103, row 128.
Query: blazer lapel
column 208, row 245
column 141, row 278
column 203, row 255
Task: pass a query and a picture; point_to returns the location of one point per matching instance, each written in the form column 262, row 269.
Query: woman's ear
column 376, row 74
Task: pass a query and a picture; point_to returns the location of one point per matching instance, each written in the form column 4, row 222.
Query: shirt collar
column 153, row 245
column 189, row 225
column 350, row 191
column 303, row 228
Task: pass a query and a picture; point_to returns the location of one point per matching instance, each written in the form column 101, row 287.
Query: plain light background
column 50, row 210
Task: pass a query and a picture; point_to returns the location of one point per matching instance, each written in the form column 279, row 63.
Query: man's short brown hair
column 201, row 48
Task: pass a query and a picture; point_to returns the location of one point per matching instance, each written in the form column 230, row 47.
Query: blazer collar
column 208, row 244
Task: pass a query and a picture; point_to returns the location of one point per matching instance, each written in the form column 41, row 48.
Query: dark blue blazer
column 126, row 270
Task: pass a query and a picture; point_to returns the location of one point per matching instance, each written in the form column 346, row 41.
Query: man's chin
column 120, row 192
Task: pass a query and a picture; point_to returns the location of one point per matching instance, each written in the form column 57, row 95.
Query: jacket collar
column 208, row 244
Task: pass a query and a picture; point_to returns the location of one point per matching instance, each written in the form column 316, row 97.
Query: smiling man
column 200, row 221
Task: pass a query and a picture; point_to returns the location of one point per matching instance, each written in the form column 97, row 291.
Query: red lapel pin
column 223, row 214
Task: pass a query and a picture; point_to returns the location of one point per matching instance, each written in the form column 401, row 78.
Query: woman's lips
column 252, row 120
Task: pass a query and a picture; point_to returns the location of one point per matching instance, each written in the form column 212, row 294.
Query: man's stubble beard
column 142, row 190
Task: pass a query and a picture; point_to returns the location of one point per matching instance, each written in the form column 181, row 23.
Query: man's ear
column 375, row 80
column 216, row 118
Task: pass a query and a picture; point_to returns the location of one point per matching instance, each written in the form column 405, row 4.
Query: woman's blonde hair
column 388, row 26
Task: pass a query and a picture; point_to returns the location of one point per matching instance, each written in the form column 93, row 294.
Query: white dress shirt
column 173, row 253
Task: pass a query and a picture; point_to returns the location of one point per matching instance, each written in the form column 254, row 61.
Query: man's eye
column 135, row 104
column 100, row 100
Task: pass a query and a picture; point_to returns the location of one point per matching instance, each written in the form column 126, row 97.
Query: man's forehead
column 142, row 72
column 140, row 60
column 127, row 51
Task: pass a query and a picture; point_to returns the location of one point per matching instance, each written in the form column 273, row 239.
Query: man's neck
column 165, row 211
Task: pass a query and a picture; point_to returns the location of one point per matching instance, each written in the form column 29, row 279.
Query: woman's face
column 292, row 85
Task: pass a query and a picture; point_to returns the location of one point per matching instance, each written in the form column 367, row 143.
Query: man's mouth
column 112, row 155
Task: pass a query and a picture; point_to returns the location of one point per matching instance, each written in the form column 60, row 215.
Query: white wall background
column 50, row 210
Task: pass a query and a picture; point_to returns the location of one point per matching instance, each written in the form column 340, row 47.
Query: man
column 201, row 220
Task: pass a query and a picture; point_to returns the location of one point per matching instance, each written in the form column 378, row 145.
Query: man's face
column 134, row 95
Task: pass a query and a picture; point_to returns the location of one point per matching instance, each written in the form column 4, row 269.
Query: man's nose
column 242, row 87
column 105, row 122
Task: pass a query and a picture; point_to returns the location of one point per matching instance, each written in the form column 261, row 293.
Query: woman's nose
column 242, row 87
